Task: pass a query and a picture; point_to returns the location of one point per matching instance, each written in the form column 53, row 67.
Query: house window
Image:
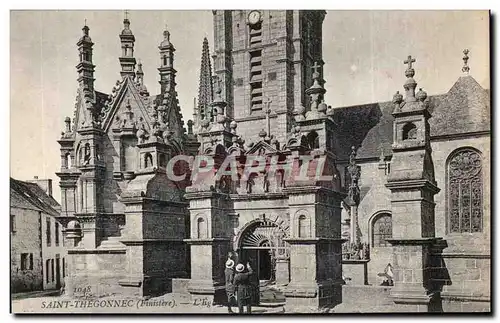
column 26, row 261
column 382, row 230
column 47, row 232
column 57, row 234
column 12, row 223
column 465, row 192
column 304, row 228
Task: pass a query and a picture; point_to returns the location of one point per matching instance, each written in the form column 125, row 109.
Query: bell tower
column 263, row 55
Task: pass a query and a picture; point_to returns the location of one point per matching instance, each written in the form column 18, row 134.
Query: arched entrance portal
column 262, row 244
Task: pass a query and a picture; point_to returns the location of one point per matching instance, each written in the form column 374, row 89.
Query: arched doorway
column 261, row 243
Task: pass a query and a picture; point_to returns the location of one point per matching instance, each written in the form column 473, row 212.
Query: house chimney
column 44, row 184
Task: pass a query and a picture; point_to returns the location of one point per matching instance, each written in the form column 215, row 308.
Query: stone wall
column 26, row 239
column 97, row 273
column 467, row 255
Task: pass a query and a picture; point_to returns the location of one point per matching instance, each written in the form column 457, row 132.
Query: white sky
column 363, row 53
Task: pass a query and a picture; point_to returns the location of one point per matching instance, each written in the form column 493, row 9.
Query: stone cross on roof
column 126, row 14
column 409, row 61
column 315, row 69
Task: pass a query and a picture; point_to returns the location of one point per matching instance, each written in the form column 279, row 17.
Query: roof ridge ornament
column 410, row 83
column 466, row 67
column 316, row 92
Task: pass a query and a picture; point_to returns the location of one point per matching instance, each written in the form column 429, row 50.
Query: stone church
column 409, row 183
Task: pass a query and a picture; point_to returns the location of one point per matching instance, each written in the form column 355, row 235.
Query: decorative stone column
column 210, row 208
column 413, row 187
column 315, row 208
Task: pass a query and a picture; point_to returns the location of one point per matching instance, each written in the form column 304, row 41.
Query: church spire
column 205, row 91
column 127, row 39
column 167, row 71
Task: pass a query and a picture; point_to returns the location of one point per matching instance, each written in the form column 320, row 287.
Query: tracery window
column 465, row 192
column 382, row 230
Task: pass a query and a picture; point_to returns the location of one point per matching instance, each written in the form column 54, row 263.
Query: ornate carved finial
column 409, row 61
column 397, row 98
column 421, row 95
column 466, row 67
column 166, row 34
column 67, row 121
column 410, row 83
column 190, row 124
column 316, row 92
column 315, row 70
column 410, row 72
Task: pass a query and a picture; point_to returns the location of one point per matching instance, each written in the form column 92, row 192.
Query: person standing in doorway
column 243, row 287
column 230, row 290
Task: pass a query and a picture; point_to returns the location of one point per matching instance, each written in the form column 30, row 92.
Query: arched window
column 382, row 230
column 313, row 140
column 201, row 228
column 164, row 60
column 148, row 160
column 465, row 191
column 304, row 228
column 409, row 131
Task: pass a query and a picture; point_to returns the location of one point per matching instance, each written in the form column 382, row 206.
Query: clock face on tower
column 254, row 17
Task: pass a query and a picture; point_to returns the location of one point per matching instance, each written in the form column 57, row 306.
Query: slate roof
column 464, row 109
column 31, row 196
